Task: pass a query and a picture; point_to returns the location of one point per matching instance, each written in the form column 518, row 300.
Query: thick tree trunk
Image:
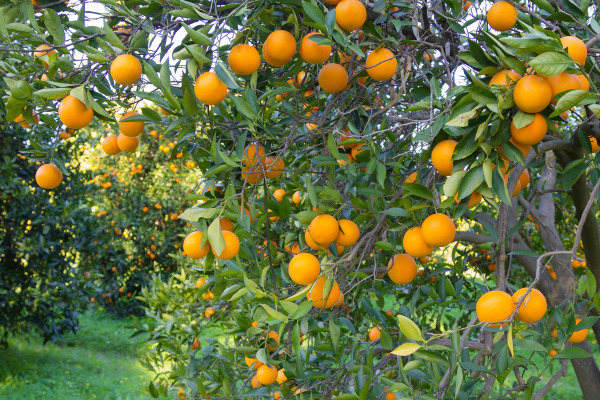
column 587, row 374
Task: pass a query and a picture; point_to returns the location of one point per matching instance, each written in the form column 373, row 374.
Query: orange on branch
column 502, row 16
column 110, row 145
column 441, row 156
column 127, row 144
column 209, row 89
column 324, row 229
column 279, row 48
column 578, row 336
column 126, row 69
column 131, row 128
column 48, row 176
column 232, row 246
column 333, row 78
column 266, row 375
column 192, row 248
column 402, row 269
column 494, row 306
column 438, row 230
column 381, row 64
column 348, row 233
column 530, row 134
column 304, row 269
column 74, row 114
column 350, row 14
column 532, row 94
column 576, row 48
column 533, row 307
column 322, row 300
column 374, row 333
column 505, row 77
column 414, row 244
column 312, row 52
column 243, row 59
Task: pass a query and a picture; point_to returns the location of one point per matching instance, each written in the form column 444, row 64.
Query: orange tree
column 460, row 135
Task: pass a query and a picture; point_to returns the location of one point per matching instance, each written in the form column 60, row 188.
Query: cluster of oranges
column 257, row 165
column 193, row 248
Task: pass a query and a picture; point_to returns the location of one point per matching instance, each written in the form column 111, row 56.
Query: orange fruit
column 333, row 78
column 392, row 396
column 279, row 48
column 494, row 306
column 356, row 149
column 412, row 178
column 324, row 229
column 502, row 16
column 23, row 122
column 195, row 343
column 255, row 383
column 192, row 248
column 74, row 114
column 296, row 197
column 414, row 244
column 402, row 269
column 585, row 84
column 563, row 82
column 350, row 14
column 131, row 128
column 253, row 154
column 48, row 176
column 252, row 174
column 304, row 269
column 281, row 376
column 226, row 224
column 273, row 166
column 505, row 77
column 530, row 134
column 278, row 194
column 524, row 179
column 474, row 199
column 126, row 69
column 438, row 230
column 348, row 233
column 209, row 89
column 532, row 94
column 441, row 156
column 374, row 333
column 316, row 294
column 312, row 52
column 64, row 135
column 517, row 188
column 552, row 353
column 575, row 48
column 127, row 144
column 312, row 244
column 578, row 336
column 533, row 307
column 381, row 64
column 252, row 360
column 110, row 145
column 200, row 282
column 232, row 246
column 266, row 375
column 243, row 59
column 272, row 335
column 43, row 50
column 208, row 312
column 594, row 144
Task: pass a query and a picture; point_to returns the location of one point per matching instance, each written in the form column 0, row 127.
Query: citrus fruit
column 255, row 383
column 232, row 246
column 402, row 269
column 350, row 14
column 273, row 166
column 414, row 244
column 209, row 89
column 562, row 82
column 594, row 144
column 312, row 52
column 374, row 333
column 533, row 307
column 333, row 78
column 585, row 84
column 318, row 297
column 381, row 64
column 530, row 134
column 266, row 375
column 226, row 224
column 278, row 194
column 127, row 144
column 110, row 145
column 43, row 50
column 348, row 233
column 441, row 156
column 502, row 16
column 24, row 123
column 412, row 178
column 253, row 154
column 130, row 128
column 253, row 362
column 524, row 179
column 126, row 69
column 532, row 94
column 575, row 48
column 243, row 59
column 505, row 77
column 192, row 248
column 279, row 48
column 48, row 176
column 494, row 306
column 296, row 197
column 200, row 282
column 74, row 114
column 578, row 336
column 438, row 230
column 324, row 229
column 281, row 376
column 304, row 269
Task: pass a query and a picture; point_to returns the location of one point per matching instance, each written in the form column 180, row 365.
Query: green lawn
column 99, row 362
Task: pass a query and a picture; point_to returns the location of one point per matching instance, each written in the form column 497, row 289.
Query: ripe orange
column 281, row 376
column 378, row 68
column 505, row 77
column 356, row 149
column 272, row 335
column 273, row 166
column 209, row 89
column 74, row 114
column 575, row 48
column 255, row 383
column 316, row 294
column 594, row 144
column 578, row 336
column 438, row 230
column 333, row 78
column 533, row 307
column 304, row 269
column 195, row 343
column 110, row 145
column 563, row 82
column 226, row 224
column 414, row 244
column 324, row 229
column 350, row 14
column 312, row 52
column 131, row 128
column 48, row 176
column 252, row 360
column 412, row 178
column 392, row 396
column 402, row 269
column 279, row 48
column 474, row 199
column 192, row 248
column 349, row 233
column 253, row 154
column 585, row 84
column 126, row 69
column 232, row 246
column 64, row 135
column 23, row 122
column 524, row 179
column 208, row 312
column 552, row 353
column 532, row 94
column 43, row 50
column 296, row 197
column 243, row 59
column 252, row 174
column 312, row 244
column 374, row 333
column 502, row 16
column 494, row 306
column 127, row 144
column 200, row 282
column 278, row 194
column 517, row 188
column 266, row 375
column 530, row 134
column 441, row 156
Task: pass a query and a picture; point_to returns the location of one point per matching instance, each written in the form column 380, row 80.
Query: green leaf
column 463, row 119
column 572, row 353
column 335, row 332
column 571, row 99
column 409, row 328
column 274, row 313
column 453, row 182
column 551, row 63
column 305, row 217
column 522, row 119
column 197, row 37
column 471, row 181
column 382, row 245
column 332, row 147
column 530, row 345
column 396, row 212
column 112, row 37
column 573, row 171
column 406, row 349
column 330, row 194
column 242, row 106
column 225, row 76
column 313, row 12
column 194, row 214
column 80, row 93
column 215, row 236
column 53, row 93
column 54, row 26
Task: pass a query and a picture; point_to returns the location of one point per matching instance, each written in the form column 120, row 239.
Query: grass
column 99, row 362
